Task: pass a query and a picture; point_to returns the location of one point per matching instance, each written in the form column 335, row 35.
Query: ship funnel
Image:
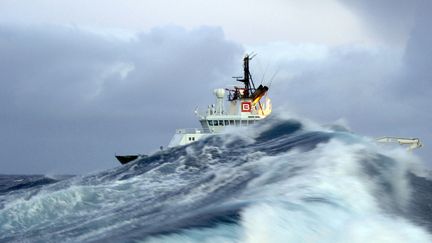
column 220, row 94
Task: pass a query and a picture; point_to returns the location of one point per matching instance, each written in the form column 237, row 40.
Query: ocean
column 284, row 180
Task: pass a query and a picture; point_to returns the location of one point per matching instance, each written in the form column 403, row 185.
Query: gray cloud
column 418, row 53
column 387, row 18
column 390, row 20
column 383, row 90
column 245, row 21
column 362, row 86
column 71, row 98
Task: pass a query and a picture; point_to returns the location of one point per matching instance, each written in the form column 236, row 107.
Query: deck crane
column 412, row 143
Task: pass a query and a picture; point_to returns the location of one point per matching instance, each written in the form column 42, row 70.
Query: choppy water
column 282, row 181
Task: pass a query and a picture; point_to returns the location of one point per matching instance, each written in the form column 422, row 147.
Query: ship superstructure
column 240, row 106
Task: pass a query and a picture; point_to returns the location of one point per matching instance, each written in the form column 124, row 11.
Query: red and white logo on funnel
column 246, row 106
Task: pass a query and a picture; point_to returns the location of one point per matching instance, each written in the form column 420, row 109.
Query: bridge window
column 231, row 122
column 226, row 122
column 220, row 123
column 244, row 122
column 215, row 123
column 210, row 122
column 237, row 122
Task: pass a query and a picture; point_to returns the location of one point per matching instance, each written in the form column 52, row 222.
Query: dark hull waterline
column 124, row 159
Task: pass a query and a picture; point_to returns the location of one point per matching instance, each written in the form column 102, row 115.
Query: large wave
column 278, row 181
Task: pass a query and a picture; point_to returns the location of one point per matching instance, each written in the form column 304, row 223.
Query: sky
column 83, row 80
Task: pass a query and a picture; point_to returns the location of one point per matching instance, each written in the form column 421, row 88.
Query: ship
column 239, row 106
column 246, row 105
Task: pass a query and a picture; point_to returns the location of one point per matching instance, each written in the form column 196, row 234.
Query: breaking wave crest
column 279, row 181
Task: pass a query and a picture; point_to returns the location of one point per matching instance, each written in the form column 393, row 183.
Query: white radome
column 220, row 93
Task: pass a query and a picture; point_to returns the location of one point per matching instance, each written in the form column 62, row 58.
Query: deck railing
column 192, row 130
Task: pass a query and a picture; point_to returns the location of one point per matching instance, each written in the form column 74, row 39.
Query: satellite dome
column 220, row 93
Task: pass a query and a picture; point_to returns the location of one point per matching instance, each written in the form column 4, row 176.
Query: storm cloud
column 70, row 98
column 382, row 89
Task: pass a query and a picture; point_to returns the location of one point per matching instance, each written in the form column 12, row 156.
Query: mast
column 249, row 91
column 247, row 79
column 246, row 76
